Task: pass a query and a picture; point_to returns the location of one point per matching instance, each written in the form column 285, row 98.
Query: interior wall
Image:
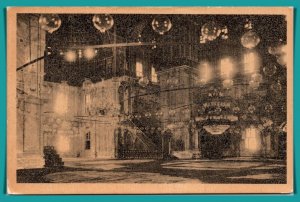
column 30, row 46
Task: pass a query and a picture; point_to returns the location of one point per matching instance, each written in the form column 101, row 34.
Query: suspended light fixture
column 50, row 22
column 270, row 69
column 279, row 50
column 248, row 24
column 224, row 33
column 161, row 24
column 210, row 30
column 282, row 59
column 250, row 39
column 276, row 87
column 103, row 22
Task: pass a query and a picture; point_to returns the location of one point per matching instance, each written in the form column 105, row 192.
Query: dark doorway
column 282, row 145
column 166, row 143
column 213, row 146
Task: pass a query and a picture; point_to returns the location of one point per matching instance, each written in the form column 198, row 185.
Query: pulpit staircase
column 151, row 149
column 52, row 158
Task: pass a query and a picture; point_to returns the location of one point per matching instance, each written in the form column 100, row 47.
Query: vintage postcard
column 149, row 100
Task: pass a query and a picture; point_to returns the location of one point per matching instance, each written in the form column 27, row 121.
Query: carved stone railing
column 141, row 154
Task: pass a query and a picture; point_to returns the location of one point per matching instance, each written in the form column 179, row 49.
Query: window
column 88, row 141
column 153, row 75
column 139, row 69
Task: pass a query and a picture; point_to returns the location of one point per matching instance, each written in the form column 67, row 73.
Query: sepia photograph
column 149, row 100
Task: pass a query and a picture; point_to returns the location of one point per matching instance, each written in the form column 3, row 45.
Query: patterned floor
column 155, row 171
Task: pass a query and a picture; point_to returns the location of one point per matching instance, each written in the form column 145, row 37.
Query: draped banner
column 216, row 129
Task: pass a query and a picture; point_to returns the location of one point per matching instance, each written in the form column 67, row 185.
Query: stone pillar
column 116, row 142
column 166, row 144
column 30, row 46
column 187, row 142
column 196, row 149
column 275, row 145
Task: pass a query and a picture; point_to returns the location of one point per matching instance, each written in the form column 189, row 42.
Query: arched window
column 88, row 141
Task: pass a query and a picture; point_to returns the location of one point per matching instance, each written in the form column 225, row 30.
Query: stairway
column 142, row 136
column 52, row 159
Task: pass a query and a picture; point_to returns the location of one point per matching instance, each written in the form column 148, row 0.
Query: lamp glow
column 80, row 53
column 282, row 59
column 205, row 72
column 89, row 53
column 161, row 24
column 251, row 62
column 50, row 22
column 227, row 68
column 103, row 22
column 70, row 56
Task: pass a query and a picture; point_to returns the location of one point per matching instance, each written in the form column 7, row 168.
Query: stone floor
column 158, row 171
